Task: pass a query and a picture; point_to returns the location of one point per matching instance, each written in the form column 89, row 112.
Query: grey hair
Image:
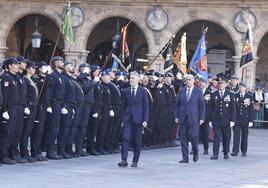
column 135, row 74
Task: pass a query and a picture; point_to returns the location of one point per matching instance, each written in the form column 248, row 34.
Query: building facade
column 153, row 23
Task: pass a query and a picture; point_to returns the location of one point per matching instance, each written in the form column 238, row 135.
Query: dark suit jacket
column 244, row 109
column 194, row 109
column 136, row 106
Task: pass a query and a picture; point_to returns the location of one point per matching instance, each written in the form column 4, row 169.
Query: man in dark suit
column 191, row 114
column 135, row 116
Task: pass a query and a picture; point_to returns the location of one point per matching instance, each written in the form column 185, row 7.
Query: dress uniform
column 29, row 113
column 223, row 108
column 233, row 88
column 10, row 109
column 244, row 119
column 57, row 94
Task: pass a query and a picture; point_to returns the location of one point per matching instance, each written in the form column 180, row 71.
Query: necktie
column 188, row 94
column 133, row 91
column 221, row 94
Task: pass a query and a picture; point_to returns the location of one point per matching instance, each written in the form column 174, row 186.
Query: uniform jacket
column 244, row 109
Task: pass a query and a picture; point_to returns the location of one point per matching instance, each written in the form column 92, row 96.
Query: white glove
column 111, row 113
column 159, row 86
column 96, row 79
column 73, row 111
column 5, row 115
column 250, row 124
column 64, row 111
column 44, row 69
column 144, row 124
column 49, row 69
column 121, row 77
column 232, row 124
column 95, row 115
column 49, row 110
column 86, row 70
column 27, row 111
column 210, row 124
column 201, row 122
column 155, row 77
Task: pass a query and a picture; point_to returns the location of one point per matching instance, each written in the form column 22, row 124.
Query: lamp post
column 36, row 36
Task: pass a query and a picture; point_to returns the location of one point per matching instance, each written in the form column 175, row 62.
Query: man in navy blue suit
column 190, row 115
column 135, row 117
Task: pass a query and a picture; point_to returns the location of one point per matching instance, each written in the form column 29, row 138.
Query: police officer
column 223, row 118
column 244, row 119
column 102, row 146
column 57, row 94
column 204, row 128
column 29, row 111
column 68, row 109
column 233, row 84
column 10, row 109
column 38, row 133
column 86, row 83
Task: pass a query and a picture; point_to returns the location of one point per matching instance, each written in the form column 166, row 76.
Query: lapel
column 191, row 96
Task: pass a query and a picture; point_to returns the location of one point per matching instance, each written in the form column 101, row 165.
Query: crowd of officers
column 71, row 112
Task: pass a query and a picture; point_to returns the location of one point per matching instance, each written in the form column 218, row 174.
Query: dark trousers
column 14, row 148
column 82, row 127
column 224, row 133
column 135, row 130
column 38, row 129
column 188, row 132
column 53, row 124
column 204, row 134
column 8, row 129
column 240, row 131
column 116, row 126
column 161, row 124
column 148, row 136
column 92, row 131
column 103, row 128
column 65, row 126
column 27, row 130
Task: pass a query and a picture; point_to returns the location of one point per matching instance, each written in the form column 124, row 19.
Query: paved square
column 157, row 168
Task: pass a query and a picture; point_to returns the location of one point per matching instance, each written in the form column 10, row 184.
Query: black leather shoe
column 244, row 154
column 123, row 164
column 234, row 154
column 184, row 161
column 214, row 157
column 94, row 152
column 134, row 164
column 205, row 152
column 195, row 157
column 30, row 159
column 226, row 156
column 83, row 153
column 8, row 161
column 19, row 159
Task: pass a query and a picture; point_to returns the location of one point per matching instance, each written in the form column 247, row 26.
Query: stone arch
column 216, row 18
column 259, row 34
column 7, row 24
column 83, row 34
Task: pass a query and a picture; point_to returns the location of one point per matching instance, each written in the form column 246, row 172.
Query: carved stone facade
column 179, row 12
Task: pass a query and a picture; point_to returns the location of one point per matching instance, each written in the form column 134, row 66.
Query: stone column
column 2, row 53
column 158, row 64
column 76, row 56
column 237, row 66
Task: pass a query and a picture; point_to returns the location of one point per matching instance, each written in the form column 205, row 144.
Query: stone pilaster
column 158, row 64
column 2, row 52
column 76, row 56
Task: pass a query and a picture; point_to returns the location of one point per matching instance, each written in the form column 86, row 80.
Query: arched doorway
column 100, row 42
column 19, row 38
column 262, row 64
column 220, row 47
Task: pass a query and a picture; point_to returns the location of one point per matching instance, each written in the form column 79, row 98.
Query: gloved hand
column 95, row 115
column 64, row 111
column 111, row 113
column 155, row 77
column 5, row 115
column 86, row 70
column 232, row 124
column 96, row 79
column 49, row 110
column 144, row 124
column 210, row 124
column 49, row 69
column 27, row 111
column 73, row 111
column 250, row 124
column 121, row 77
column 201, row 122
column 159, row 86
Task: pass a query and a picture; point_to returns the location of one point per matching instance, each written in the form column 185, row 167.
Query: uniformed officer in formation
column 68, row 112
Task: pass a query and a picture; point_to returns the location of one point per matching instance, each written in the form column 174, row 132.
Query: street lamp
column 36, row 36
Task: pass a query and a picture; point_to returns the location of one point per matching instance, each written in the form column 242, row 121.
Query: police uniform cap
column 11, row 60
column 83, row 65
column 169, row 74
column 242, row 84
column 21, row 59
column 233, row 77
column 67, row 63
column 94, row 68
column 57, row 58
column 40, row 64
column 221, row 80
column 30, row 64
column 106, row 71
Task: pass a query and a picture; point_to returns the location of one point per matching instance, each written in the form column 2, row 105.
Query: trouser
column 148, row 135
column 38, row 129
column 92, row 130
column 53, row 124
column 240, row 130
column 8, row 129
column 14, row 148
column 188, row 132
column 204, row 134
column 161, row 125
column 116, row 125
column 225, row 133
column 135, row 130
column 27, row 130
column 103, row 129
column 82, row 127
column 65, row 127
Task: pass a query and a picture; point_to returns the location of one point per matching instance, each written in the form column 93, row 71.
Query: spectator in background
column 258, row 98
column 265, row 91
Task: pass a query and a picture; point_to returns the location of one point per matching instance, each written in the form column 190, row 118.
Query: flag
column 198, row 63
column 180, row 56
column 247, row 56
column 66, row 28
column 124, row 49
column 116, row 61
column 167, row 55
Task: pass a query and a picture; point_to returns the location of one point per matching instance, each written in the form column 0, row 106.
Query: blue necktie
column 133, row 91
column 188, row 94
